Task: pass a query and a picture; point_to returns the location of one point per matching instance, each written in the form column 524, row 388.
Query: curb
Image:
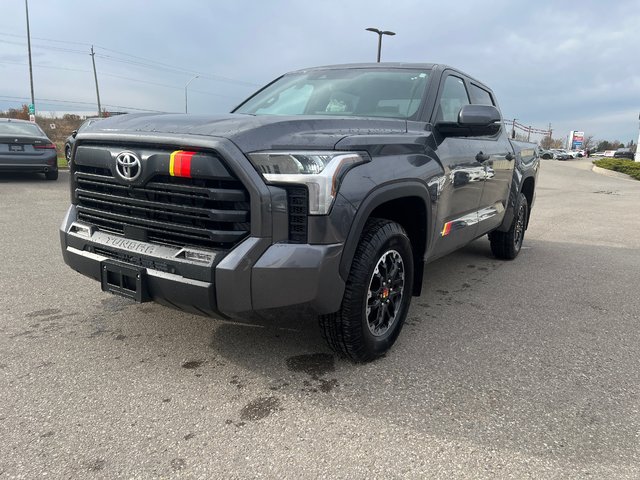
column 611, row 173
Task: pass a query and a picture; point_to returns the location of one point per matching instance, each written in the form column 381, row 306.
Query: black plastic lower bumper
column 254, row 276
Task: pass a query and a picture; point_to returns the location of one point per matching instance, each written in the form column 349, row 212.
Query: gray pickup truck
column 329, row 189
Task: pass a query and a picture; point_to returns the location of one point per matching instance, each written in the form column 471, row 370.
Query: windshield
column 87, row 122
column 19, row 128
column 348, row 92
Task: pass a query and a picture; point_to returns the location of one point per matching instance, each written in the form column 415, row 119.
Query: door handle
column 482, row 157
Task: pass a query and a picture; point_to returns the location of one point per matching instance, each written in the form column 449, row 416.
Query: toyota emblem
column 128, row 165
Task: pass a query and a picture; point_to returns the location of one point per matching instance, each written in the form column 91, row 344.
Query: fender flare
column 516, row 188
column 377, row 197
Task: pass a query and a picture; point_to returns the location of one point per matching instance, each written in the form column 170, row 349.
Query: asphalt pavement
column 522, row 369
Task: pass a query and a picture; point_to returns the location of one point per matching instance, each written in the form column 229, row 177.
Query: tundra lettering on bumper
column 254, row 276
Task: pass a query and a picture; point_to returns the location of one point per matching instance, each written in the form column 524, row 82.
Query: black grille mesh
column 298, row 203
column 168, row 210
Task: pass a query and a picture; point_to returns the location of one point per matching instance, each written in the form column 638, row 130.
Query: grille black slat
column 177, row 211
column 298, row 204
column 151, row 206
column 224, row 236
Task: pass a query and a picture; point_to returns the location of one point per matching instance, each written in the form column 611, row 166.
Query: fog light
column 195, row 256
column 82, row 230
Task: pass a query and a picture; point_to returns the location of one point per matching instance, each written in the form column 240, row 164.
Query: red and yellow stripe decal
column 180, row 163
column 446, row 229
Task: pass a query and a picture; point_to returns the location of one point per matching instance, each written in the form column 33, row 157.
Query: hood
column 252, row 133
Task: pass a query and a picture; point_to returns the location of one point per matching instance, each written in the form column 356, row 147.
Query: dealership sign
column 576, row 139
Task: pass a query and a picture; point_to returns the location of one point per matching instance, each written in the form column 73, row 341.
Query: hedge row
column 622, row 165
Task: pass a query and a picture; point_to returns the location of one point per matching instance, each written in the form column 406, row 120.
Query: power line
column 57, row 101
column 45, row 39
column 45, row 47
column 147, row 62
column 103, row 74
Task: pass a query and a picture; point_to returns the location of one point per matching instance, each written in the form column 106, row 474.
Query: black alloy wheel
column 377, row 294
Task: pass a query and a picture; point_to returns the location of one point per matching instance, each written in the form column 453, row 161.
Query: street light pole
column 186, row 104
column 380, row 34
column 513, row 129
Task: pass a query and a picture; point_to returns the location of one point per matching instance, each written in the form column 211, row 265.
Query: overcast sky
column 574, row 64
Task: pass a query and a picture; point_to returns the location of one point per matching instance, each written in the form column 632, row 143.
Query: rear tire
column 507, row 245
column 51, row 175
column 377, row 294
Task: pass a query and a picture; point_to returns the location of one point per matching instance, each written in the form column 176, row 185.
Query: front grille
column 298, row 204
column 167, row 210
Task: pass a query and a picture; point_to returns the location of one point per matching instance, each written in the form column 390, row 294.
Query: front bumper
column 255, row 275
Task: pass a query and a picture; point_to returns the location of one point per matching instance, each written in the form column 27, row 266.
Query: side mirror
column 473, row 121
column 74, row 133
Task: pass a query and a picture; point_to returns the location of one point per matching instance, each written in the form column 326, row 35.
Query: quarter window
column 480, row 96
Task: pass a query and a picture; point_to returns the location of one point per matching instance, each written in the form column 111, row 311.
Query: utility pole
column 529, row 133
column 33, row 102
column 95, row 75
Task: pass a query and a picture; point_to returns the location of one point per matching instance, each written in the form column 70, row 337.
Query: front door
column 459, row 200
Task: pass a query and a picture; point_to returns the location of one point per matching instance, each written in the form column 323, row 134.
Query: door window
column 454, row 96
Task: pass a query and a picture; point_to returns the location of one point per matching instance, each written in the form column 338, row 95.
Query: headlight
column 321, row 172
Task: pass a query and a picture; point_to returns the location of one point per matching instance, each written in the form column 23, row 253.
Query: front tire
column 507, row 245
column 377, row 294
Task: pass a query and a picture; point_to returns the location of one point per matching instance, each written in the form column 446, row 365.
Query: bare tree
column 588, row 142
column 546, row 142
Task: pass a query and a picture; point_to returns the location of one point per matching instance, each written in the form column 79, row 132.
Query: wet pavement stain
column 178, row 464
column 192, row 364
column 120, row 337
column 279, row 386
column 116, row 304
column 315, row 364
column 189, row 436
column 235, row 381
column 96, row 465
column 260, row 408
column 43, row 313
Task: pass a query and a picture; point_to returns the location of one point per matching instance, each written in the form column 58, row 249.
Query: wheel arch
column 406, row 203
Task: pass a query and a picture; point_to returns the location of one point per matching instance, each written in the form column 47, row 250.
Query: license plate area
column 16, row 148
column 124, row 280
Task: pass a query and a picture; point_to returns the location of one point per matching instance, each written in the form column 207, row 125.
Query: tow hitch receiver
column 124, row 280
